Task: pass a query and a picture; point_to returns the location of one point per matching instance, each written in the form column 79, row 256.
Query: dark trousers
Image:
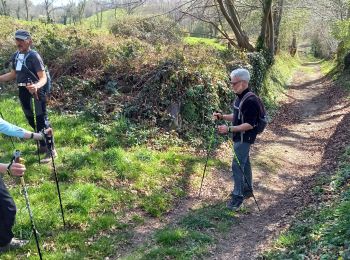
column 241, row 161
column 7, row 215
column 40, row 109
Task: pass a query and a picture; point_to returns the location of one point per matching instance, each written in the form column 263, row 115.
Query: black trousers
column 40, row 109
column 7, row 214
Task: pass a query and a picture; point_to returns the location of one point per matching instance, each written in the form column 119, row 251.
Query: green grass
column 189, row 238
column 277, row 79
column 205, row 41
column 328, row 66
column 102, row 180
column 321, row 231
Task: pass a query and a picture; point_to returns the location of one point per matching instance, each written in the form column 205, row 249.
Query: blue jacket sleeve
column 10, row 129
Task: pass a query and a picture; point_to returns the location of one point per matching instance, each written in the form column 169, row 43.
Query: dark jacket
column 250, row 113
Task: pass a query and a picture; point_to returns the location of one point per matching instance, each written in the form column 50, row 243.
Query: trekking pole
column 206, row 161
column 34, row 114
column 49, row 143
column 244, row 177
column 16, row 158
column 2, row 116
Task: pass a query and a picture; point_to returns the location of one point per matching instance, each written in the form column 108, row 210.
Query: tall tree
column 48, row 5
column 81, row 8
column 266, row 38
column 230, row 13
column 26, row 6
column 277, row 18
column 4, row 9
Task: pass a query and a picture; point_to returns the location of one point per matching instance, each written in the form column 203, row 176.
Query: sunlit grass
column 101, row 181
column 205, row 41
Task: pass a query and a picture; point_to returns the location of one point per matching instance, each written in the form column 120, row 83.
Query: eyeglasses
column 235, row 83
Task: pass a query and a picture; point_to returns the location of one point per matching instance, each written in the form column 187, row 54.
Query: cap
column 22, row 35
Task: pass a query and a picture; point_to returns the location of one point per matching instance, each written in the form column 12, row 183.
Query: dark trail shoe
column 247, row 194
column 235, row 203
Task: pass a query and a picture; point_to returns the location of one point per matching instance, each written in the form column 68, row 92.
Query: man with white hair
column 244, row 118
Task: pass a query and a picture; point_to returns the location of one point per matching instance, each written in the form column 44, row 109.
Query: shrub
column 153, row 30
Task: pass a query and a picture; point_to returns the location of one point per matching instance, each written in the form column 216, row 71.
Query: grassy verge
column 111, row 180
column 204, row 41
column 190, row 238
column 330, row 68
column 321, row 231
column 277, row 80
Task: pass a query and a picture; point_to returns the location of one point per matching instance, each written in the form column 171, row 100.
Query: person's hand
column 48, row 131
column 17, row 169
column 32, row 88
column 217, row 116
column 223, row 129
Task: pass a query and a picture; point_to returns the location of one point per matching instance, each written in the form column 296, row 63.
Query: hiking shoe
column 247, row 194
column 235, row 202
column 14, row 244
column 47, row 158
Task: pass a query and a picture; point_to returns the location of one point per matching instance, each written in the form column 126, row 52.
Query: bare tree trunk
column 47, row 7
column 4, row 10
column 231, row 16
column 18, row 11
column 293, row 47
column 271, row 40
column 81, row 9
column 277, row 17
column 267, row 27
column 26, row 5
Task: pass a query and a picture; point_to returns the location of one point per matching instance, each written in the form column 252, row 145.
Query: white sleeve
column 11, row 130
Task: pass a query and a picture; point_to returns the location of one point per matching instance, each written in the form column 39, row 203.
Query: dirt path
column 288, row 158
column 298, row 146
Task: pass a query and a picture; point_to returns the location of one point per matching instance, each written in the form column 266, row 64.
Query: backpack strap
column 240, row 115
column 25, row 64
column 16, row 56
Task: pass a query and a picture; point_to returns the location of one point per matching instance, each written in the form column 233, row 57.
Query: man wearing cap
column 7, row 205
column 29, row 72
column 244, row 135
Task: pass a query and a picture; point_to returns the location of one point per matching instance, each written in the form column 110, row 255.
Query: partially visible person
column 7, row 205
column 29, row 72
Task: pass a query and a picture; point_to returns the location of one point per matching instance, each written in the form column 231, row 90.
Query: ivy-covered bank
column 168, row 84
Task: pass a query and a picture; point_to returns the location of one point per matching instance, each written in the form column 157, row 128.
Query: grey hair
column 243, row 74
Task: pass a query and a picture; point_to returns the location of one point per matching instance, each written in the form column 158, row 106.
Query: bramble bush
column 154, row 30
column 140, row 71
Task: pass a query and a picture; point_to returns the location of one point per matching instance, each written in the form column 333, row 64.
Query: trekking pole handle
column 35, row 94
column 48, row 135
column 15, row 158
